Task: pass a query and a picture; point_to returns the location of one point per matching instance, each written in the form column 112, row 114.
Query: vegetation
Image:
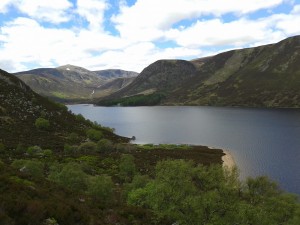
column 264, row 76
column 137, row 100
column 94, row 135
column 42, row 124
column 184, row 193
column 78, row 172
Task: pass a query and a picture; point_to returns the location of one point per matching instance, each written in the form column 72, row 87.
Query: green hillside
column 75, row 84
column 265, row 76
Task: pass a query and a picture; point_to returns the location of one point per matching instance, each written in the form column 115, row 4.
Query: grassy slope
column 265, row 76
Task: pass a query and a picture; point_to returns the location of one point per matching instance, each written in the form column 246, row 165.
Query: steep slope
column 265, row 76
column 161, row 76
column 20, row 107
column 115, row 73
column 70, row 83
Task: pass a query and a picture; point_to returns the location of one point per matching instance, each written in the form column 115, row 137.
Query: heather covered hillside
column 264, row 76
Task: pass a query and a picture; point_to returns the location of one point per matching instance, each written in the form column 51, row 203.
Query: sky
column 131, row 34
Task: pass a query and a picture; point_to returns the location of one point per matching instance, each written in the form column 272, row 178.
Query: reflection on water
column 262, row 141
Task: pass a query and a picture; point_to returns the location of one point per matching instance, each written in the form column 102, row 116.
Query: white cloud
column 296, row 9
column 54, row 11
column 24, row 40
column 136, row 57
column 4, row 5
column 146, row 30
column 92, row 11
column 215, row 32
column 154, row 16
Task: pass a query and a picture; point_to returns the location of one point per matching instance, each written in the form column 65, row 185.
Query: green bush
column 70, row 176
column 30, row 167
column 42, row 124
column 104, row 145
column 47, row 152
column 127, row 167
column 34, row 150
column 101, row 188
column 94, row 135
column 188, row 193
column 70, row 149
column 73, row 138
column 88, row 148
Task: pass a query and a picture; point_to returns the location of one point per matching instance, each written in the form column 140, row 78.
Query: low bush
column 42, row 124
column 94, row 135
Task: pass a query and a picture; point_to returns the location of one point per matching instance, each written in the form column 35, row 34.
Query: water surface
column 262, row 141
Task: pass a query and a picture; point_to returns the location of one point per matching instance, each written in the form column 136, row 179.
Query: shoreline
column 228, row 160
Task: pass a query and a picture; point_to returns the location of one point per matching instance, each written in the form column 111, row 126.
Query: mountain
column 20, row 107
column 264, row 76
column 115, row 73
column 69, row 83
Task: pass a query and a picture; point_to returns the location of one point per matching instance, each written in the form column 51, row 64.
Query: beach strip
column 228, row 160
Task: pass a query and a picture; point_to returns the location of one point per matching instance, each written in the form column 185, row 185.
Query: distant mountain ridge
column 71, row 83
column 264, row 76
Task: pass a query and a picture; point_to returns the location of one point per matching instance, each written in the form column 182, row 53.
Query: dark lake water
column 262, row 141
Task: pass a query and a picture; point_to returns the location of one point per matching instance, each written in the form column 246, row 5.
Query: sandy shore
column 228, row 160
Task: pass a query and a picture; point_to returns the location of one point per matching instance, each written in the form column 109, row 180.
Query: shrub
column 73, row 138
column 94, row 135
column 42, row 124
column 70, row 149
column 101, row 188
column 30, row 167
column 47, row 152
column 88, row 147
column 104, row 145
column 34, row 150
column 20, row 149
column 127, row 167
column 70, row 176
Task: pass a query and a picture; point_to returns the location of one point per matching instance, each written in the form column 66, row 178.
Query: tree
column 30, row 167
column 73, row 138
column 101, row 188
column 184, row 193
column 104, row 145
column 94, row 135
column 88, row 148
column 127, row 167
column 70, row 176
column 34, row 150
column 42, row 124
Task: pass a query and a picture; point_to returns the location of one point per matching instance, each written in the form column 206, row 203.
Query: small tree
column 48, row 153
column 34, row 150
column 127, row 167
column 73, row 138
column 88, row 147
column 30, row 167
column 94, row 135
column 101, row 188
column 42, row 124
column 70, row 176
column 104, row 145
